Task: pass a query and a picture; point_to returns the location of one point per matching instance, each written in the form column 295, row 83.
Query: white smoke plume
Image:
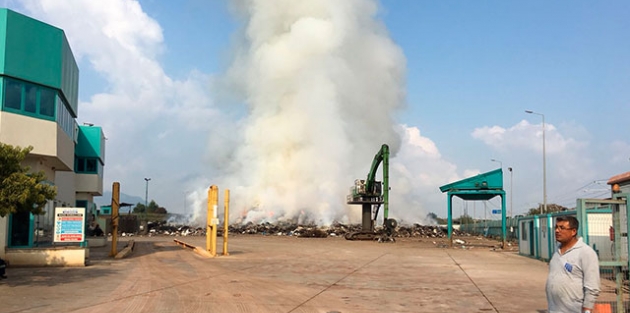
column 322, row 81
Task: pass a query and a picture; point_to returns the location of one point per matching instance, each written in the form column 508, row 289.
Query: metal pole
column 544, row 167
column 211, row 228
column 511, row 193
column 499, row 161
column 146, row 197
column 226, row 218
column 544, row 210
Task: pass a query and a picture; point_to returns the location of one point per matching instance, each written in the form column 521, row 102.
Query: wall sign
column 69, row 225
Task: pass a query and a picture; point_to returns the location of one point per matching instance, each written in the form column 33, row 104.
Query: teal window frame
column 26, row 107
column 49, row 106
column 6, row 85
column 88, row 166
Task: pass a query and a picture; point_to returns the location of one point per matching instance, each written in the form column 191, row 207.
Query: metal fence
column 614, row 295
column 491, row 228
column 603, row 225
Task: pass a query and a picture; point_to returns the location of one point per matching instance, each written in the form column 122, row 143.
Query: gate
column 609, row 238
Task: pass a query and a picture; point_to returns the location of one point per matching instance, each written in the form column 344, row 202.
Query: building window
column 90, row 165
column 30, row 99
column 66, row 120
column 80, row 165
column 12, row 94
column 47, row 102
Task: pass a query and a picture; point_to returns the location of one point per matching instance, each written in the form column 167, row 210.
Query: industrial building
column 39, row 84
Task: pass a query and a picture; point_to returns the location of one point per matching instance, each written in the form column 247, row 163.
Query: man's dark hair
column 573, row 222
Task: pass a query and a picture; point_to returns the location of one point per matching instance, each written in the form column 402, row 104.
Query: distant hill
column 106, row 199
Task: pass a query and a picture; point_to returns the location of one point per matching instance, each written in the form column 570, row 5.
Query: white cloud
column 416, row 173
column 620, row 152
column 156, row 126
column 569, row 162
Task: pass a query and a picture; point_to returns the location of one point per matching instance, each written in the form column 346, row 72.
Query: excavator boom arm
column 381, row 156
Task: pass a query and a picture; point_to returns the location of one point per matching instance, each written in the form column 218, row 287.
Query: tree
column 21, row 191
column 153, row 207
column 466, row 219
column 139, row 208
column 550, row 209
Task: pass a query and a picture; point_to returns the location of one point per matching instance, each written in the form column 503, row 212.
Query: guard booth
column 482, row 187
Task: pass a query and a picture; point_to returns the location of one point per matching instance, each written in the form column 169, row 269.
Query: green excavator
column 370, row 194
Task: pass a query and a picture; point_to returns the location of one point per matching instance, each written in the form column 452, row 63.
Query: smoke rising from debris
column 321, row 81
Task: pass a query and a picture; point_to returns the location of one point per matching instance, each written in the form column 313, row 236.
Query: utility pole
column 146, row 197
column 511, row 193
column 544, row 161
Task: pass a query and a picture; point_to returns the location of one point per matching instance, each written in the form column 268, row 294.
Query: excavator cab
column 371, row 194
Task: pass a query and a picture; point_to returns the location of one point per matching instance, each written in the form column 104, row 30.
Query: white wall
column 598, row 235
column 65, row 189
column 46, row 137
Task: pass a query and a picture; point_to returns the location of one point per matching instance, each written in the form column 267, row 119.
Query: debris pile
column 338, row 229
column 426, row 231
column 302, row 231
column 164, row 228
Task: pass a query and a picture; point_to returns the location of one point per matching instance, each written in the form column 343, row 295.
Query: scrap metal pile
column 303, row 231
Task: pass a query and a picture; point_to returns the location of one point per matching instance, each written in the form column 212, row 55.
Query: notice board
column 69, row 225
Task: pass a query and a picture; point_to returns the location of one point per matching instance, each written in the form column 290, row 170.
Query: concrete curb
column 200, row 251
column 126, row 250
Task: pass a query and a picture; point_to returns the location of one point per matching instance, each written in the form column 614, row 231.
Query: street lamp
column 500, row 163
column 511, row 192
column 544, row 161
column 146, row 196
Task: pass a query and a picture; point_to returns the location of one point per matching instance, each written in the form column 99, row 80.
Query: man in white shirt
column 573, row 280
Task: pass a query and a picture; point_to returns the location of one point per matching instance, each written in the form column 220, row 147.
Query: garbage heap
column 298, row 230
column 337, row 229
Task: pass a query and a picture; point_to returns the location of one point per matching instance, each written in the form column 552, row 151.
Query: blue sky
column 160, row 77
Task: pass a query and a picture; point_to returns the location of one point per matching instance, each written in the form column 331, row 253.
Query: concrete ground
column 285, row 274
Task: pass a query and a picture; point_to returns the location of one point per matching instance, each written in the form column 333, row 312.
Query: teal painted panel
column 90, row 143
column 33, row 50
column 488, row 180
column 3, row 36
column 69, row 77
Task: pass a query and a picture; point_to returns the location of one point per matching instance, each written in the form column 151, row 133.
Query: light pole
column 544, row 161
column 146, row 196
column 511, row 193
column 500, row 163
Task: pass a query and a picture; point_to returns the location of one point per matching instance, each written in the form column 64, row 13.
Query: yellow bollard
column 212, row 221
column 215, row 220
column 226, row 219
column 115, row 206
